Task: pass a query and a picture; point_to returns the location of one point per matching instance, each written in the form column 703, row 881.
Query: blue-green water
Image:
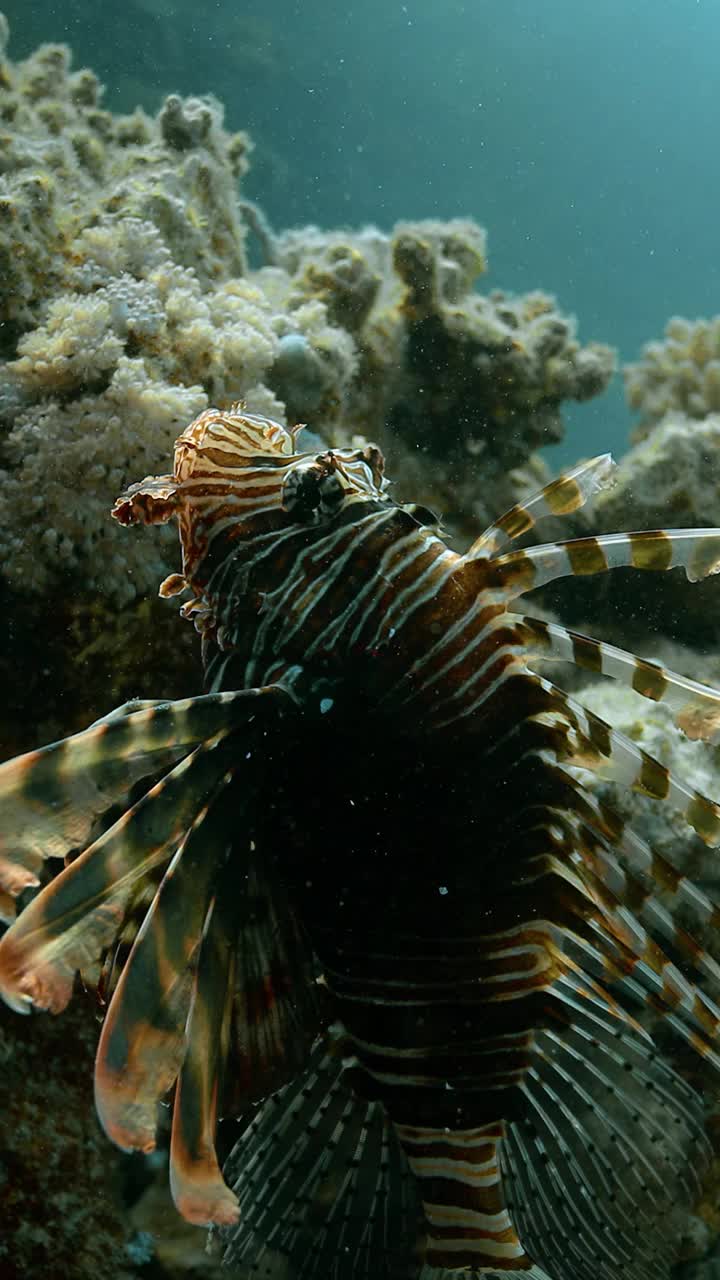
column 584, row 137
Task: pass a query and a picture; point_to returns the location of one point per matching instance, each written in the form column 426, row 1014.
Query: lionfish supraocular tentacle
column 495, row 945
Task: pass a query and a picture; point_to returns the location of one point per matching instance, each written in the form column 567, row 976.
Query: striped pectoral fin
column 567, row 493
column 198, row 1188
column 67, row 926
column 697, row 551
column 695, row 706
column 642, row 891
column 619, row 946
column 671, row 904
column 50, row 799
column 142, row 1044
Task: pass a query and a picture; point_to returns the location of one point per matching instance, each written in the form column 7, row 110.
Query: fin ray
column 51, row 798
column 80, row 912
column 142, row 1043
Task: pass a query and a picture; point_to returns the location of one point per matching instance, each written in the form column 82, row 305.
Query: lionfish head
column 237, row 474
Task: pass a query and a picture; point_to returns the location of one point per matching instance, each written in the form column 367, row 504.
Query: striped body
column 489, row 934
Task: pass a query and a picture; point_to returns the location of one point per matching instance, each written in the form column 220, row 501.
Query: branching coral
column 66, row 164
column 489, row 373
column 671, row 477
column 455, row 383
column 122, row 290
column 129, row 306
column 680, row 374
column 454, row 370
column 96, row 443
column 345, row 271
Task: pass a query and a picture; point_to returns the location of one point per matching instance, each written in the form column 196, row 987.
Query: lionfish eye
column 301, row 491
column 332, row 493
column 310, row 490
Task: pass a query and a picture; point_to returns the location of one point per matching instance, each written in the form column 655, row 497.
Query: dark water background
column 583, row 136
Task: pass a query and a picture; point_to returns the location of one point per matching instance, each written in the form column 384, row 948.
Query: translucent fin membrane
column 634, row 913
column 80, row 913
column 609, row 1135
column 567, row 493
column 196, row 1182
column 142, row 1044
column 593, row 744
column 51, row 798
column 277, row 1010
column 681, row 897
column 322, row 1182
column 697, row 551
column 695, row 706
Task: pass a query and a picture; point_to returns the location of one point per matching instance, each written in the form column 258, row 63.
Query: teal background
column 584, row 137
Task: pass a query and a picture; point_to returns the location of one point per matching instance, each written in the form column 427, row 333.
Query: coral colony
column 130, row 307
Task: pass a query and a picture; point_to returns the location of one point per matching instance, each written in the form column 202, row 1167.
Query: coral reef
column 68, row 165
column 59, row 1179
column 458, row 386
column 679, row 375
column 128, row 303
column 671, row 477
column 652, row 729
column 127, row 306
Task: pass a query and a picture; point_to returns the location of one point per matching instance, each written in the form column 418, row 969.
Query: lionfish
column 360, row 893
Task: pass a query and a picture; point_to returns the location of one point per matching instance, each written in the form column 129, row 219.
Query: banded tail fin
column 469, row 1227
column 322, row 1181
column 78, row 915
